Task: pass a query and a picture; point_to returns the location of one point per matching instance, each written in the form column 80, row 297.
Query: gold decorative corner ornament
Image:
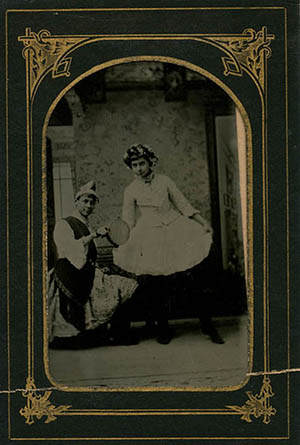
column 258, row 405
column 247, row 52
column 45, row 53
column 39, row 405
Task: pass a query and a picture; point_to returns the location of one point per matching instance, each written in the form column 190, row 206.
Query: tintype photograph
column 147, row 245
column 150, row 233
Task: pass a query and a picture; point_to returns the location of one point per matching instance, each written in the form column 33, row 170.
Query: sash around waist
column 155, row 217
column 75, row 284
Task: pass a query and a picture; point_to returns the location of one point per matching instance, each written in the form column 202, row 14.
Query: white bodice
column 156, row 203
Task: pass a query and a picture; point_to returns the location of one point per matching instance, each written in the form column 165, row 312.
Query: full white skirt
column 164, row 250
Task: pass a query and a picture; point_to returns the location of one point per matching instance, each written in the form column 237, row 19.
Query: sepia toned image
column 148, row 257
column 149, row 242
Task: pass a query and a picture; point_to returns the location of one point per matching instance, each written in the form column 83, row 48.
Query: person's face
column 140, row 167
column 85, row 204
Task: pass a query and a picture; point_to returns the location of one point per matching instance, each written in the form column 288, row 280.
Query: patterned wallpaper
column 175, row 131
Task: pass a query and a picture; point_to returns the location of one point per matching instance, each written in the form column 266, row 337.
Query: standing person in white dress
column 81, row 298
column 168, row 236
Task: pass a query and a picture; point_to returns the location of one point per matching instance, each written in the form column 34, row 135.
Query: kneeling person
column 73, row 323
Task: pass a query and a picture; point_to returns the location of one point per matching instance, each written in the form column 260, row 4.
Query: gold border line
column 30, row 216
column 151, row 9
column 265, row 224
column 151, row 413
column 7, row 233
column 29, row 281
column 31, row 241
column 246, row 119
column 90, row 37
column 267, row 216
column 150, row 438
column 287, row 213
column 32, row 236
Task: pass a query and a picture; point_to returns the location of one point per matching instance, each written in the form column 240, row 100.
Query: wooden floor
column 191, row 360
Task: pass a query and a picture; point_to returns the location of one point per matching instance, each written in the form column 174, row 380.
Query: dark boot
column 160, row 309
column 120, row 333
column 208, row 328
column 149, row 330
column 164, row 335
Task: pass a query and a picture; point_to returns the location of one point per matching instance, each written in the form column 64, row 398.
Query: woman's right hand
column 208, row 229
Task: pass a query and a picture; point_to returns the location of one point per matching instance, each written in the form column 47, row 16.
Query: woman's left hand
column 102, row 231
column 207, row 228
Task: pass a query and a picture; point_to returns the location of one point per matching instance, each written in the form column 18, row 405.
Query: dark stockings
column 199, row 283
column 150, row 300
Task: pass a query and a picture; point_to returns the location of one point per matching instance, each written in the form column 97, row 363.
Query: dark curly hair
column 137, row 151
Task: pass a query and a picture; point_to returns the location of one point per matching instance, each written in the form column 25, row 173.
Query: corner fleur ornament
column 46, row 53
column 39, row 405
column 257, row 405
column 247, row 52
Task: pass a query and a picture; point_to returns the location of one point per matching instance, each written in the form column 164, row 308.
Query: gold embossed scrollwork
column 39, row 405
column 258, row 405
column 47, row 53
column 247, row 52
